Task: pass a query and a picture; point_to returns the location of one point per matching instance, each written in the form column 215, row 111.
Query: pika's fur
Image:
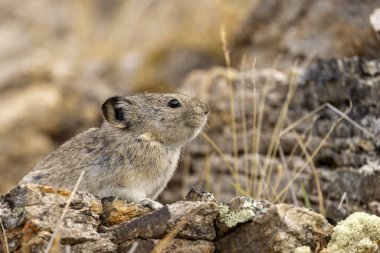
column 133, row 154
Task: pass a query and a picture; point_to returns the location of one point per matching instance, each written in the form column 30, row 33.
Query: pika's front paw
column 150, row 203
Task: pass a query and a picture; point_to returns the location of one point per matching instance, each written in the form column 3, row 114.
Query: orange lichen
column 58, row 191
column 96, row 207
column 122, row 212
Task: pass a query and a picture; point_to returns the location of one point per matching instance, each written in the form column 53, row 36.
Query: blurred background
column 59, row 60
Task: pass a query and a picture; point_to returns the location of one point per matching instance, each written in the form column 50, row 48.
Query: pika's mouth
column 197, row 125
column 196, row 122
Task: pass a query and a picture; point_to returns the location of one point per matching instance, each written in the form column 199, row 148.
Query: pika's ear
column 113, row 111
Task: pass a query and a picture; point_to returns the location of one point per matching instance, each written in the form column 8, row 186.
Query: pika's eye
column 174, row 103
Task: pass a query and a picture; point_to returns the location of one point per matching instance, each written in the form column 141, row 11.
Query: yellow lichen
column 359, row 233
column 244, row 210
column 232, row 218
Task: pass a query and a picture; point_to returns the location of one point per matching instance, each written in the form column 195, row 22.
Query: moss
column 359, row 233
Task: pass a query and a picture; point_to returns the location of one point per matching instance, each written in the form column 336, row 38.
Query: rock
column 375, row 207
column 199, row 217
column 305, row 30
column 363, row 189
column 239, row 210
column 101, row 245
column 116, row 211
column 195, row 195
column 176, row 245
column 352, row 153
column 30, row 213
column 278, row 230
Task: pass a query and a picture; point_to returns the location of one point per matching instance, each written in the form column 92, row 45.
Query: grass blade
column 57, row 228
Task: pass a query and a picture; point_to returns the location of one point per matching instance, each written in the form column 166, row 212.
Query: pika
column 133, row 154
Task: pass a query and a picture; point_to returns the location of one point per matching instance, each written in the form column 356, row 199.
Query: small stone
column 199, row 195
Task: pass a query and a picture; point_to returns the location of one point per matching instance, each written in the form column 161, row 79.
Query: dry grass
column 311, row 157
column 133, row 247
column 244, row 121
column 342, row 199
column 231, row 94
column 5, row 239
column 256, row 128
column 264, row 187
column 264, row 180
column 287, row 175
column 53, row 244
column 313, row 171
column 164, row 242
column 231, row 169
column 207, row 179
column 274, row 143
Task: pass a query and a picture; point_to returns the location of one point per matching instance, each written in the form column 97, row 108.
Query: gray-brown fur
column 132, row 155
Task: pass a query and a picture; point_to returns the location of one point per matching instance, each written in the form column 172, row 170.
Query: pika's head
column 168, row 118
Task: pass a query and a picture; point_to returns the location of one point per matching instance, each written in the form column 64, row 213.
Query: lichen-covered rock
column 239, row 210
column 282, row 228
column 30, row 214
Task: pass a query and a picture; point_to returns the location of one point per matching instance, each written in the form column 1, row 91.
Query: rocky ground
column 198, row 224
column 302, row 129
column 32, row 215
